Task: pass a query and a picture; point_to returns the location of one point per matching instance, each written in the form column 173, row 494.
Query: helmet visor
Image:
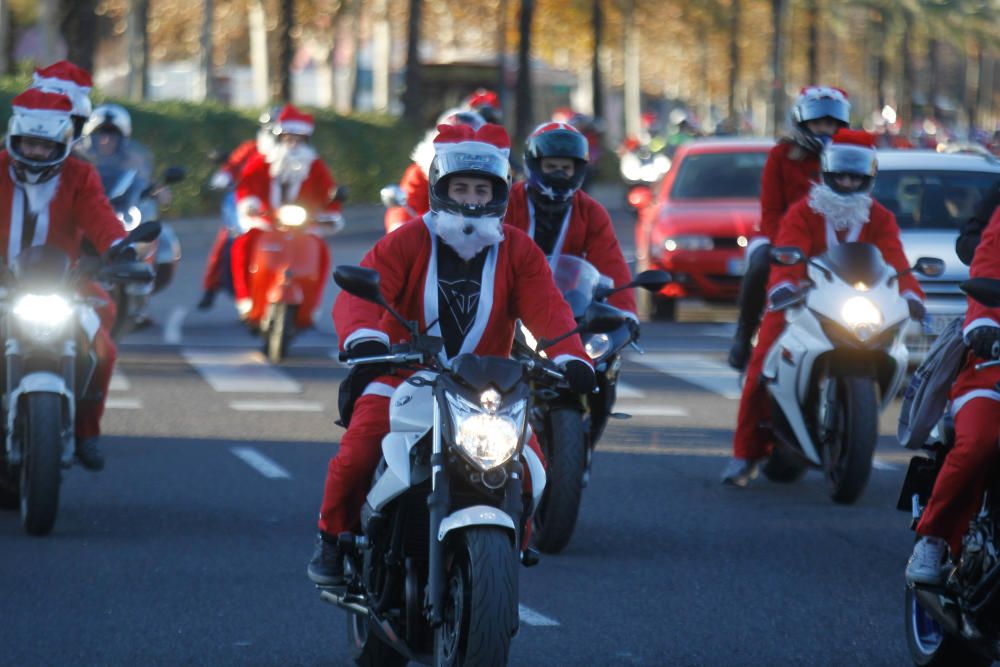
column 559, row 143
column 826, row 107
column 848, row 159
column 470, row 163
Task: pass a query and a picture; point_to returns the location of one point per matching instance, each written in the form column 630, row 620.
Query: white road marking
column 879, row 464
column 260, row 463
column 240, row 371
column 119, row 382
column 695, row 369
column 173, row 333
column 532, row 617
column 887, row 461
column 652, row 410
column 276, row 406
column 114, row 403
column 625, row 390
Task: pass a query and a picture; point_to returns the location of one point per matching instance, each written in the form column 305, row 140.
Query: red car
column 699, row 224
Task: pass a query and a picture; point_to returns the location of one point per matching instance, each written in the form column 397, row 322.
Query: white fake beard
column 467, row 237
column 841, row 211
column 265, row 142
column 291, row 164
column 40, row 195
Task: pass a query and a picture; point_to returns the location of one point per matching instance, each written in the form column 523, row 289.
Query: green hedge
column 364, row 151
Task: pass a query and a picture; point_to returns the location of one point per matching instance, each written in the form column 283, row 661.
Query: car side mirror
column 640, row 197
column 787, row 256
column 360, row 281
column 932, row 267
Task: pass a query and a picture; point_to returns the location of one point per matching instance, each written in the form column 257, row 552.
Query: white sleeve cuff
column 912, row 296
column 360, row 335
column 976, row 323
column 563, row 358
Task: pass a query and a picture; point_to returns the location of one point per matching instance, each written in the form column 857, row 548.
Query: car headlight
column 292, row 216
column 485, row 434
column 43, row 315
column 862, row 316
column 597, row 345
column 688, row 242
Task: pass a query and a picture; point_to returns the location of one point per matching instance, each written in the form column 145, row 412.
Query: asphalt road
column 190, row 548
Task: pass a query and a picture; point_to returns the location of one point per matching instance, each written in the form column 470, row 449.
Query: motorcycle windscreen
column 577, row 279
column 856, row 263
column 41, row 266
column 479, row 372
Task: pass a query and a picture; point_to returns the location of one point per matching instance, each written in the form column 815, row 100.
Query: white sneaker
column 243, row 307
column 739, row 472
column 927, row 564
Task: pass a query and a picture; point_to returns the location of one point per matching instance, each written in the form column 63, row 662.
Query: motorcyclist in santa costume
column 50, row 198
column 791, row 169
column 468, row 278
column 563, row 219
column 291, row 173
column 75, row 83
column 975, row 405
column 225, row 178
column 839, row 209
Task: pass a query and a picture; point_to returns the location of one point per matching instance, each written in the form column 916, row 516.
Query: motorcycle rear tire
column 784, row 466
column 367, row 648
column 481, row 614
column 945, row 651
column 859, row 433
column 279, row 332
column 41, row 468
column 566, row 451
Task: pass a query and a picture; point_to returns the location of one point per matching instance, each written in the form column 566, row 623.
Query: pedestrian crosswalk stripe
column 260, row 463
column 119, row 382
column 696, row 369
column 115, row 403
column 532, row 617
column 276, row 406
column 652, row 410
column 240, row 371
column 625, row 390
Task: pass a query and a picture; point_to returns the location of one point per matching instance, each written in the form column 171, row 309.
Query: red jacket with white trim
column 590, row 236
column 519, row 286
column 79, row 210
column 789, row 173
column 313, row 194
column 415, row 185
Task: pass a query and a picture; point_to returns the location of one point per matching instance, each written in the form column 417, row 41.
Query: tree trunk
column 778, row 9
column 412, row 102
column 502, row 54
column 633, row 91
column 879, row 37
column 597, row 22
column 934, row 85
column 381, row 52
column 906, row 87
column 259, row 54
column 205, row 55
column 48, row 20
column 973, row 82
column 812, row 41
column 523, row 126
column 734, row 56
column 78, row 24
column 5, row 37
column 138, row 47
column 286, row 50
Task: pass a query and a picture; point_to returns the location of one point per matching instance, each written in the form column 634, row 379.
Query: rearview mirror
column 130, row 272
column 144, row 233
column 984, row 290
column 601, row 318
column 787, row 256
column 360, row 281
column 653, row 280
column 932, row 267
column 392, row 195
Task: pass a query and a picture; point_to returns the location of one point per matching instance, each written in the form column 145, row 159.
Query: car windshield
column 719, row 176
column 932, row 199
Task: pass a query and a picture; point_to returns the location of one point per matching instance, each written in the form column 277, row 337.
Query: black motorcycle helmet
column 555, row 140
column 462, row 151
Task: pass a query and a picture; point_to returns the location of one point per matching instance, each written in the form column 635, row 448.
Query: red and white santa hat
column 63, row 74
column 40, row 102
column 41, row 114
column 294, row 121
column 489, row 140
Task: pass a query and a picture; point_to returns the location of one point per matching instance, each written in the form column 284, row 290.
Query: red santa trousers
column 214, row 268
column 90, row 410
column 751, row 440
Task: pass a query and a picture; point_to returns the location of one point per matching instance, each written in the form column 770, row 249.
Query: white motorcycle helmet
column 39, row 119
column 107, row 116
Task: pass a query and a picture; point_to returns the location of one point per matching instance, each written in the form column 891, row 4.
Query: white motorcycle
column 433, row 578
column 837, row 364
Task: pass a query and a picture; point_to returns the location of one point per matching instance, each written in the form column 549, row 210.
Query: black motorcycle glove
column 633, row 328
column 360, row 376
column 368, row 348
column 917, row 309
column 985, row 342
column 580, row 376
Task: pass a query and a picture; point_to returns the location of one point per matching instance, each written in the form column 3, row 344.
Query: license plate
column 735, row 266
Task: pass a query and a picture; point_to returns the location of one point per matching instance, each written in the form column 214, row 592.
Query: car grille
column 724, row 242
column 943, row 288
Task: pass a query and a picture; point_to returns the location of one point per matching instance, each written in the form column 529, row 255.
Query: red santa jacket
column 985, row 264
column 257, row 186
column 516, row 284
column 789, row 172
column 809, row 231
column 589, row 235
column 78, row 210
column 240, row 158
column 414, row 183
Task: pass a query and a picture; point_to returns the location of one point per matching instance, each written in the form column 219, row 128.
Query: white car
column 931, row 194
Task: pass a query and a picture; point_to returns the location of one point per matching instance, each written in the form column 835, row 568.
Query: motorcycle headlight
column 130, row 218
column 862, row 316
column 597, row 345
column 292, row 216
column 42, row 315
column 688, row 242
column 486, row 435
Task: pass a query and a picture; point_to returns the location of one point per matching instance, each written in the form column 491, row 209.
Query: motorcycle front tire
column 566, row 453
column 849, row 475
column 279, row 332
column 41, row 468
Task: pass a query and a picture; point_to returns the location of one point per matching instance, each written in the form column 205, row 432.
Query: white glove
column 220, row 180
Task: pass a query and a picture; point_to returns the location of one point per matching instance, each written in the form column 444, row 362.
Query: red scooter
column 288, row 269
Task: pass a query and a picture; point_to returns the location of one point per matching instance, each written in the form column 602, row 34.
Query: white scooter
column 837, row 364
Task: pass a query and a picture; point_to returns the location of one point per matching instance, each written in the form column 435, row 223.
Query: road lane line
column 260, row 463
column 696, row 369
column 114, row 403
column 879, row 464
column 276, row 406
column 240, row 371
column 625, row 390
column 173, row 333
column 532, row 617
column 119, row 382
column 652, row 410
